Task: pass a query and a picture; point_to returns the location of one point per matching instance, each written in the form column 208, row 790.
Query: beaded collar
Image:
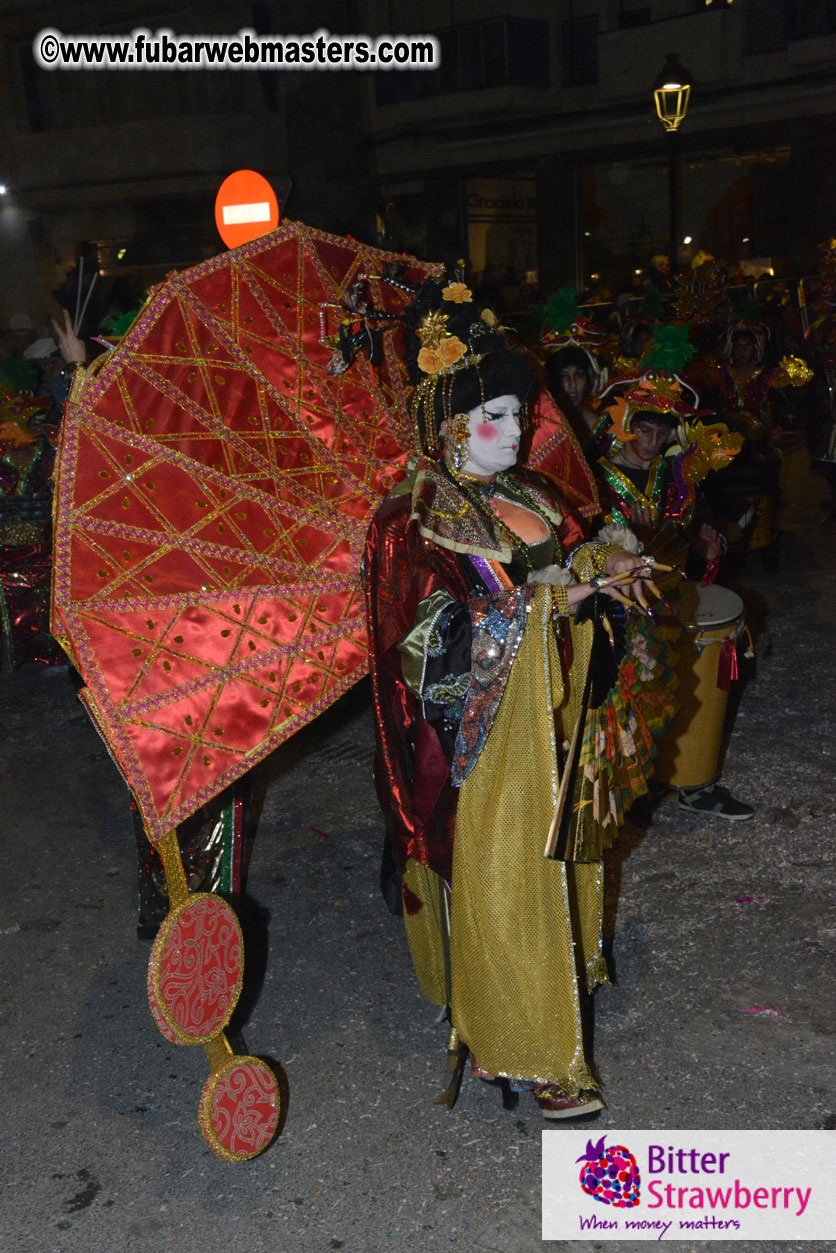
column 462, row 521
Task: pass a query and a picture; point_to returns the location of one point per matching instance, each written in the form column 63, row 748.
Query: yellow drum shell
column 760, row 531
column 765, row 529
column 689, row 754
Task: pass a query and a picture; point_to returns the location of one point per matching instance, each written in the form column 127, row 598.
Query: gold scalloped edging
column 207, row 1098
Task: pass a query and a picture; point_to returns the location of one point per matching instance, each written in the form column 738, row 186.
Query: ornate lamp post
column 671, row 93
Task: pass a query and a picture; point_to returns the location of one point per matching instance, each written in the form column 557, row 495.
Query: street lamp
column 671, row 93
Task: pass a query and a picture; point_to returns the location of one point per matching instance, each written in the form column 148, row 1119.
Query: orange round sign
column 245, row 208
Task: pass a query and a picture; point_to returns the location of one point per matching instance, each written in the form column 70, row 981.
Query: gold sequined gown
column 512, row 942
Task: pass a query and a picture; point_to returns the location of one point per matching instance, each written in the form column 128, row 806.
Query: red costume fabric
column 412, row 774
column 214, row 488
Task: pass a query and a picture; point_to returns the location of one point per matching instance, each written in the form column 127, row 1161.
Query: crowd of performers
column 522, row 681
column 521, row 688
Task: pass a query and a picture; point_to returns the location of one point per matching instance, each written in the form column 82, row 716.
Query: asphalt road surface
column 712, row 920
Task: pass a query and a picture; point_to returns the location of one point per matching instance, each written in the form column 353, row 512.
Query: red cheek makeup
column 486, row 430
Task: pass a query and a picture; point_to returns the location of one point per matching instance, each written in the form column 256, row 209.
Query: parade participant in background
column 747, row 385
column 659, row 497
column 820, row 341
column 702, row 301
column 640, row 485
column 571, row 376
column 747, row 494
column 633, row 339
column 27, row 456
column 821, row 429
column 487, row 612
column 574, row 375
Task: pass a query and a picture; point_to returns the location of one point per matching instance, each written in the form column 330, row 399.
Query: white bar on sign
column 241, row 214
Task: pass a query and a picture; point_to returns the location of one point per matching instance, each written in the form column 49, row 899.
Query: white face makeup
column 495, row 431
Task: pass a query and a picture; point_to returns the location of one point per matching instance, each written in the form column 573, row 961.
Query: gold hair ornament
column 458, row 440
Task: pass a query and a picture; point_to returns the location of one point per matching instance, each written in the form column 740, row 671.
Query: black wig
column 489, row 369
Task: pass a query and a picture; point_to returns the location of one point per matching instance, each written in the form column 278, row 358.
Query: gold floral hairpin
column 440, row 350
column 457, row 293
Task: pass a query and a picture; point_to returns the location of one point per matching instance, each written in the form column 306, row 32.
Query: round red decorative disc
column 239, row 1109
column 196, row 968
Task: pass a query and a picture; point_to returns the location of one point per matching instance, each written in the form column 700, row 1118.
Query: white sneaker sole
column 714, row 813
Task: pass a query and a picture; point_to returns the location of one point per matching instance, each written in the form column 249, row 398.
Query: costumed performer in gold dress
column 513, row 678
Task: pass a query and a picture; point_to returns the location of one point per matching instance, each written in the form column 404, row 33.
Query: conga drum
column 712, row 620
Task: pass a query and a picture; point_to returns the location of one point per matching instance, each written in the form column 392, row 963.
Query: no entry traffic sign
column 245, row 208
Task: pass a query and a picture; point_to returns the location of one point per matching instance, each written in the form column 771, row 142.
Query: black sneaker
column 714, row 802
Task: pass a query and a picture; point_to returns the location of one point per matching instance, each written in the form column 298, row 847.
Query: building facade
column 122, row 167
column 536, row 145
column 533, row 150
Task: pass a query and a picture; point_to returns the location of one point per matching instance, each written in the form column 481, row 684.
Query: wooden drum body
column 712, row 618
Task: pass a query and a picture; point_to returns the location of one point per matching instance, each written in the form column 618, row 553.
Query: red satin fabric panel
column 213, row 493
column 214, row 490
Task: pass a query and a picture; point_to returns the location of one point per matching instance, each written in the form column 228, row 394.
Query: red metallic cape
column 401, row 569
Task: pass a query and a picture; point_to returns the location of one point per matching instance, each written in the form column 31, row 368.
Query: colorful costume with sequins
column 821, row 426
column 470, row 662
column 746, row 405
column 622, row 488
column 27, row 454
column 745, row 495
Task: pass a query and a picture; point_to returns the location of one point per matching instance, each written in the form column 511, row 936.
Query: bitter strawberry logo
column 610, row 1175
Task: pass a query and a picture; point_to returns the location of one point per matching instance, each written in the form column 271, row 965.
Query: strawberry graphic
column 610, row 1175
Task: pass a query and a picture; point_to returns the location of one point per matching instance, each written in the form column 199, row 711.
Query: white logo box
column 693, row 1185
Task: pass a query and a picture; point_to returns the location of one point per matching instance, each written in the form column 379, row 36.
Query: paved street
column 712, row 921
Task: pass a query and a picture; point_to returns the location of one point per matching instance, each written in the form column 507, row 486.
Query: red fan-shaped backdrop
column 214, row 490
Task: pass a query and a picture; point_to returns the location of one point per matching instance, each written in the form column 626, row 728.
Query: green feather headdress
column 119, row 323
column 670, row 349
column 19, row 375
column 561, row 310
